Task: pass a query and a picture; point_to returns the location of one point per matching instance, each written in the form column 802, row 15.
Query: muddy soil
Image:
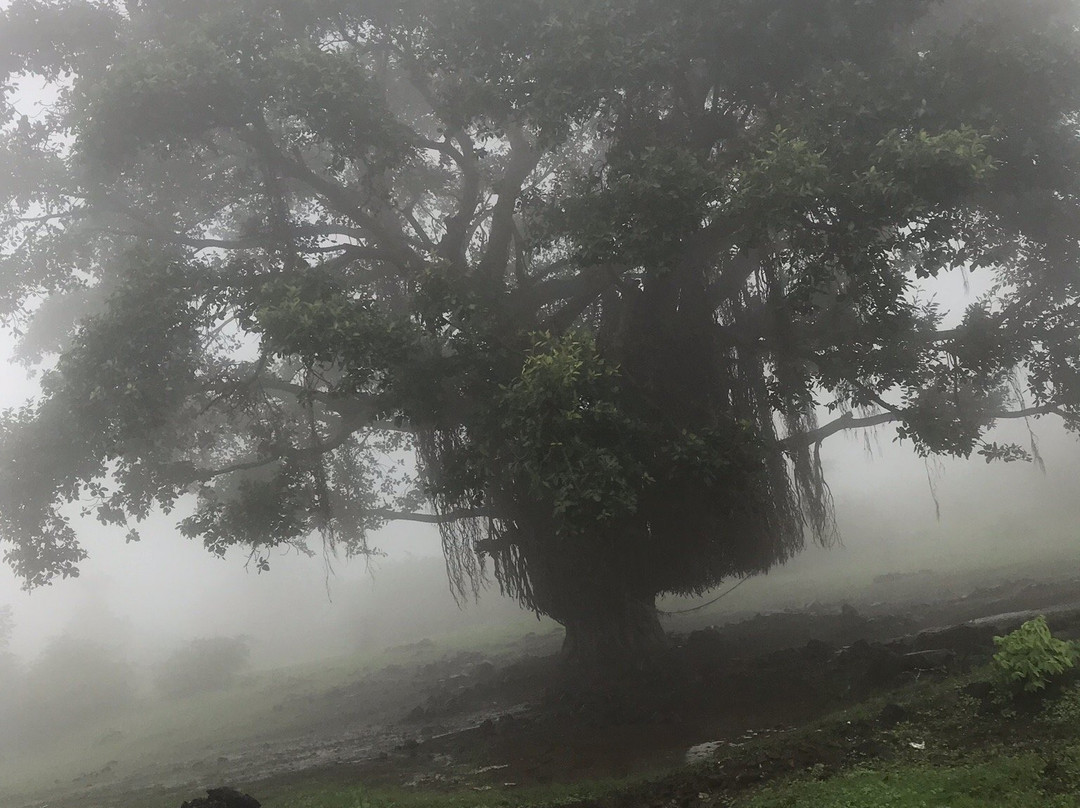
column 469, row 720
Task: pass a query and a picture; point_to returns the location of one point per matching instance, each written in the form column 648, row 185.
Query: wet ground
column 467, row 719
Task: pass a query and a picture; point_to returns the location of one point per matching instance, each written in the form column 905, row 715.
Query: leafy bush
column 208, row 663
column 1031, row 657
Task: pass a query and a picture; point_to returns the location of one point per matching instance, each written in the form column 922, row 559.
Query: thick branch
column 392, row 239
column 523, row 159
column 848, row 421
column 429, row 518
column 453, row 244
column 844, row 422
column 584, row 290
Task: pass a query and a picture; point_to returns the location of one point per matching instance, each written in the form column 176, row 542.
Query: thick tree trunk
column 624, row 638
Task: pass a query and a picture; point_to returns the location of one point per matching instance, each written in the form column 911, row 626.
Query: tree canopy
column 598, row 264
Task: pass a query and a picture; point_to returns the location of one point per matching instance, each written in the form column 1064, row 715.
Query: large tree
column 597, row 264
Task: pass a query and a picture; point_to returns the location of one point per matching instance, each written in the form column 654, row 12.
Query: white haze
column 149, row 596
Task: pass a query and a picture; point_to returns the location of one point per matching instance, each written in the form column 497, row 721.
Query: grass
column 969, row 760
column 969, row 756
column 1008, row 782
column 947, row 755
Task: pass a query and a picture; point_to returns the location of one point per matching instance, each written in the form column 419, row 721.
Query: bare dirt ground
column 472, row 720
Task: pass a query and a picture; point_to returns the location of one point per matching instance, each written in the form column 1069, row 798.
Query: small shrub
column 1031, row 658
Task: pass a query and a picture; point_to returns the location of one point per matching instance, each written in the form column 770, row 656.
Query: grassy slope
column 194, row 726
column 951, row 752
column 263, row 706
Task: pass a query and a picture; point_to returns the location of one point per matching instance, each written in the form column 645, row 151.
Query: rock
column 964, row 639
column 703, row 752
column 849, row 612
column 934, row 659
column 818, row 650
column 223, row 798
column 878, row 664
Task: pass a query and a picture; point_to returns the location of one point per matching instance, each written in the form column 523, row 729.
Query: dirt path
column 486, row 722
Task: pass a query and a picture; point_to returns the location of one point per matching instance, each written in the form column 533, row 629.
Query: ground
column 879, row 691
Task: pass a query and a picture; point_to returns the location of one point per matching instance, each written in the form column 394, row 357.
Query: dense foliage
column 597, row 263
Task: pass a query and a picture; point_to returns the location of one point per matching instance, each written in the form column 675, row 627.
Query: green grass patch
column 1003, row 783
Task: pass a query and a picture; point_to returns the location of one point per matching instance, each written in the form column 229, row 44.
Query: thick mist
column 896, row 513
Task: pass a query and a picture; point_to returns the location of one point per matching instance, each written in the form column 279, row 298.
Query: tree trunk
column 624, row 638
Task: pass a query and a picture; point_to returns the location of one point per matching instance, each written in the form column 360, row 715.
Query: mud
column 469, row 720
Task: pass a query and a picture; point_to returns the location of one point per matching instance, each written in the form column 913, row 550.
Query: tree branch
column 455, row 238
column 338, row 197
column 523, row 160
column 579, row 292
column 429, row 518
column 848, row 421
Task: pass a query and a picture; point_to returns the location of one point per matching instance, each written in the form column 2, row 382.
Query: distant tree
column 597, row 263
column 204, row 664
column 72, row 683
column 7, row 660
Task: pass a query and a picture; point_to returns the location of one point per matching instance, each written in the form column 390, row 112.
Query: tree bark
column 623, row 639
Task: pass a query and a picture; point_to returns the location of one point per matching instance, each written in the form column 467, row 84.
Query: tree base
column 615, row 644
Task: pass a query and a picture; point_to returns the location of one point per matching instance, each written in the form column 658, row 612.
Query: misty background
column 896, row 513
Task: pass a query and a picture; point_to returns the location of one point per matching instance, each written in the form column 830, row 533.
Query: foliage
column 1031, row 657
column 204, row 664
column 597, row 265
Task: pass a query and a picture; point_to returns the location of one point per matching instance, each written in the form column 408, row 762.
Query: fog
column 895, row 512
column 149, row 623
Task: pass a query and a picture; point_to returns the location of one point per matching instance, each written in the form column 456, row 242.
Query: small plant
column 1030, row 657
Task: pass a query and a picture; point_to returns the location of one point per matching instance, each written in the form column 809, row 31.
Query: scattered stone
column 703, row 752
column 934, row 659
column 964, row 639
column 223, row 798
